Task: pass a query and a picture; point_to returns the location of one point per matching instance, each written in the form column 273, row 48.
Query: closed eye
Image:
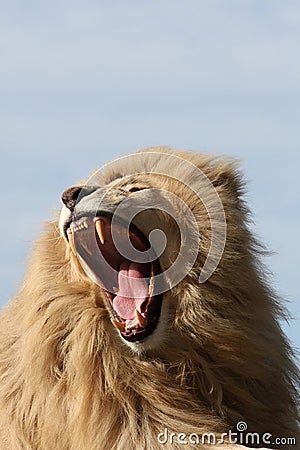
column 135, row 189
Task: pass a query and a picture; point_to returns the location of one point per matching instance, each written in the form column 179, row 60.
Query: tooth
column 119, row 325
column 100, row 230
column 141, row 320
column 150, row 291
column 151, row 286
column 85, row 224
column 71, row 241
column 116, row 290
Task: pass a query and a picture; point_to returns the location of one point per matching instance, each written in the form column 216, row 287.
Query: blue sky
column 82, row 82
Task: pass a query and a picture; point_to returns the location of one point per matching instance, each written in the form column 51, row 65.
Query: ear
column 226, row 175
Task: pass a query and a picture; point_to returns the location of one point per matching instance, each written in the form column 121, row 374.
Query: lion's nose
column 70, row 196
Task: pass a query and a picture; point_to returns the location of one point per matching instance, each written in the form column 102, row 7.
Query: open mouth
column 113, row 256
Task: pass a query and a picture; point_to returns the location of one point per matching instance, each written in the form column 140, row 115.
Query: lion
column 146, row 319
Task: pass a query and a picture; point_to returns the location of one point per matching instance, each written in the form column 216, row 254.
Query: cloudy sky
column 82, row 82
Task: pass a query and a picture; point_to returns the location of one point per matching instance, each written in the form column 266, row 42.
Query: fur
column 69, row 382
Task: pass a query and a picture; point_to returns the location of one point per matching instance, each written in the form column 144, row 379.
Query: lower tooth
column 140, row 319
column 119, row 325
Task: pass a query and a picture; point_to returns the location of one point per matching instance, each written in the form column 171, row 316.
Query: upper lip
column 91, row 238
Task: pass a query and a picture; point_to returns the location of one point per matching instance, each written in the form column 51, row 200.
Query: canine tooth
column 100, row 230
column 151, row 286
column 150, row 291
column 141, row 320
column 119, row 325
column 116, row 290
column 71, row 241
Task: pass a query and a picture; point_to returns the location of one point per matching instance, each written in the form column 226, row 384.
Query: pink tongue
column 133, row 290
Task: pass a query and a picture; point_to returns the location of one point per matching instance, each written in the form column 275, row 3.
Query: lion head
column 145, row 229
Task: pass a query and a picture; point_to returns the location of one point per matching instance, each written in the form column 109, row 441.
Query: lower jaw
column 139, row 336
column 160, row 343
